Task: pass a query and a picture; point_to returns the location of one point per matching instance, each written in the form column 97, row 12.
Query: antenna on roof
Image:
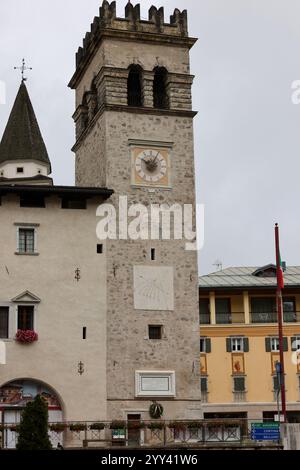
column 218, row 264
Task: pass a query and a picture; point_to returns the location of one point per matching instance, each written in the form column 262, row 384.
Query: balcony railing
column 239, row 397
column 255, row 317
column 229, row 318
column 271, row 317
column 204, row 318
column 223, row 318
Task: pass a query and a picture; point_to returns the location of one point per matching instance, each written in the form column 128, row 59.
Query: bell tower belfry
column 134, row 134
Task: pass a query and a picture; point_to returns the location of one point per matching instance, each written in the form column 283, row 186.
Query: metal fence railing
column 138, row 433
column 255, row 317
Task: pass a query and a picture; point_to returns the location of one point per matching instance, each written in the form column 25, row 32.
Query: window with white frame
column 26, row 240
column 237, row 344
column 205, row 344
column 274, row 344
column 154, row 384
column 295, row 341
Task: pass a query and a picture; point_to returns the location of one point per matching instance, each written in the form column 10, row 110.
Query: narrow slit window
column 73, row 203
column 32, row 201
column 153, row 254
column 84, row 332
column 100, row 249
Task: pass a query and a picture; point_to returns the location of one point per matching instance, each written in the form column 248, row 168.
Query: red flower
column 26, row 336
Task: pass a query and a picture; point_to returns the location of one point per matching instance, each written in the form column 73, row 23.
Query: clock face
column 151, row 167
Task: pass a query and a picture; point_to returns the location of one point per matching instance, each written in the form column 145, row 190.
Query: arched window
column 161, row 99
column 134, row 86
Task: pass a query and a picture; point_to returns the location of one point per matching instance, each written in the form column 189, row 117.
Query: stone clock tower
column 134, row 134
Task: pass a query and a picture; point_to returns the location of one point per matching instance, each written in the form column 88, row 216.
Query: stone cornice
column 132, row 110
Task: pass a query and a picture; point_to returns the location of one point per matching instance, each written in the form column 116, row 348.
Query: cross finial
column 23, row 68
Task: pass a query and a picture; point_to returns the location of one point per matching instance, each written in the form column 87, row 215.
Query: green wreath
column 156, row 410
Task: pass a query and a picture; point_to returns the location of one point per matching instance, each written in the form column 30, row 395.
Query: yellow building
column 239, row 342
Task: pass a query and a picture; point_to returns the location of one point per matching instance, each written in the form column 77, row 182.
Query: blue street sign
column 265, row 431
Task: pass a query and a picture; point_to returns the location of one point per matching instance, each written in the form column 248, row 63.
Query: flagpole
column 280, row 328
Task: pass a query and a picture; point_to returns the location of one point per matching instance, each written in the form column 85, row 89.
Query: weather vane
column 23, row 68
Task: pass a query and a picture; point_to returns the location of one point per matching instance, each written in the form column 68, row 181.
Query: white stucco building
column 102, row 328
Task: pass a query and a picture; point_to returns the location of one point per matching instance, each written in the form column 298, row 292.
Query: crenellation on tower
column 157, row 17
column 108, row 11
column 133, row 13
column 180, row 19
column 114, row 45
column 132, row 27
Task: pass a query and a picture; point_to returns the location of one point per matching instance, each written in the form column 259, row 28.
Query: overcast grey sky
column 247, row 132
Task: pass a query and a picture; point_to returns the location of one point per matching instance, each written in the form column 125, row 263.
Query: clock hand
column 153, row 161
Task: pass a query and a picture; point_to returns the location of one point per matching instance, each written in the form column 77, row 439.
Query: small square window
column 155, row 332
column 20, row 169
column 26, row 240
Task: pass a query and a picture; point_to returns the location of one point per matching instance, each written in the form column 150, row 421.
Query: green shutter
column 208, row 345
column 239, row 384
column 285, row 344
column 275, row 383
column 203, row 382
column 268, row 344
column 228, row 344
column 246, row 344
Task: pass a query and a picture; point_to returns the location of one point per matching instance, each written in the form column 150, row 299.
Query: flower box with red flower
column 26, row 336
